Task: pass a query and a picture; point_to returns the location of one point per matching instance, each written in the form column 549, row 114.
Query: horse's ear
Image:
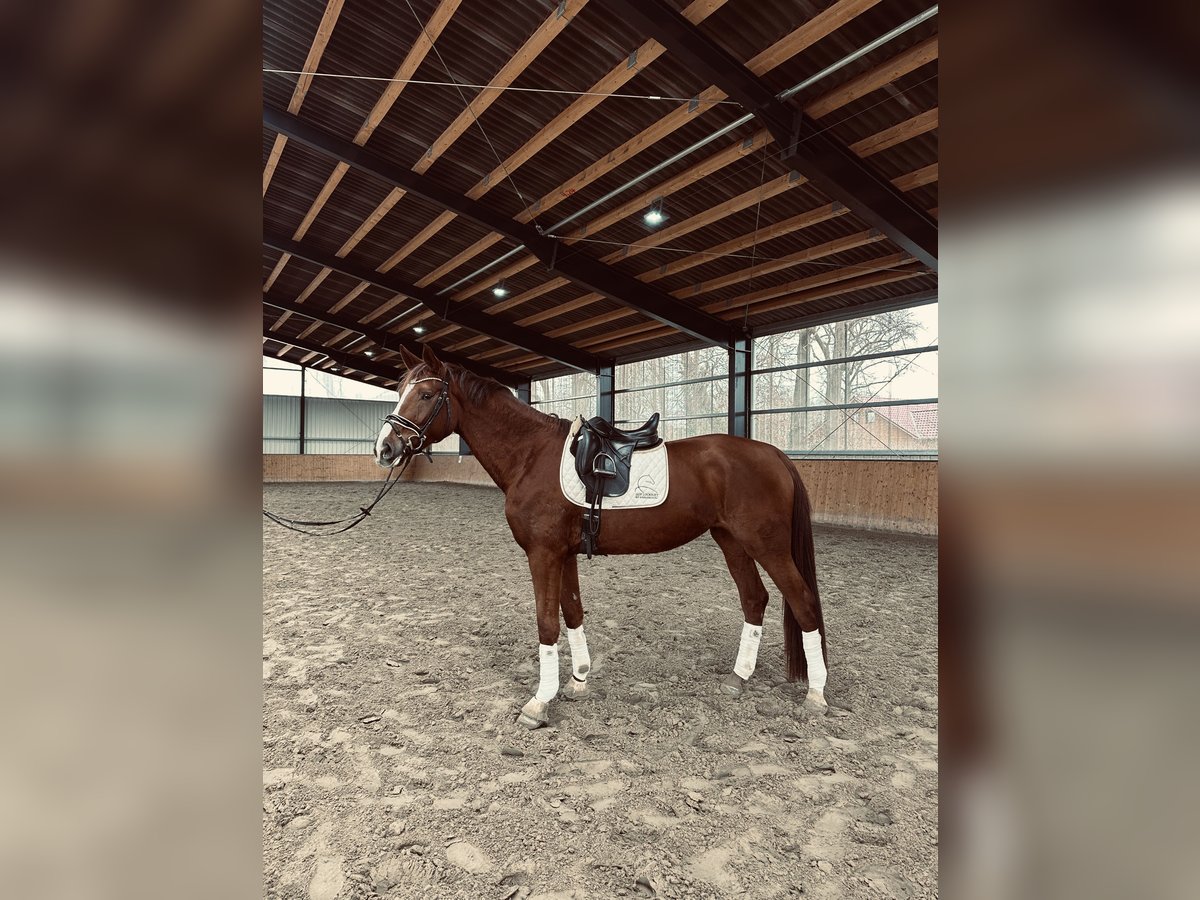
column 411, row 360
column 431, row 360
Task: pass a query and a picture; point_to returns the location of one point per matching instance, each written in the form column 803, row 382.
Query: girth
column 603, row 455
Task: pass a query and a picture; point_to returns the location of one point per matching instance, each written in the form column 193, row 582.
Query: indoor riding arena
column 588, row 325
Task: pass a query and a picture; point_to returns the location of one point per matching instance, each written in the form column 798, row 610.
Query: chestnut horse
column 744, row 492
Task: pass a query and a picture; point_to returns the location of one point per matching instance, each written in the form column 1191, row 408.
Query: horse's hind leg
column 753, row 594
column 572, row 611
column 806, row 614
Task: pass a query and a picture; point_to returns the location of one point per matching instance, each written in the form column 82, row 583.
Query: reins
column 412, row 447
column 301, row 525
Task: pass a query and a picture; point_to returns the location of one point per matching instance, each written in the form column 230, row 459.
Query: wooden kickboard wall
column 880, row 494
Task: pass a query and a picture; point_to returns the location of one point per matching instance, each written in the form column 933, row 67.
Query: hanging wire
column 733, row 171
column 762, row 177
column 850, row 413
column 801, row 374
column 475, row 118
column 665, row 98
column 865, row 267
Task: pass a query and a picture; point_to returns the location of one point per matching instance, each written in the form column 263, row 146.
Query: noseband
column 417, row 441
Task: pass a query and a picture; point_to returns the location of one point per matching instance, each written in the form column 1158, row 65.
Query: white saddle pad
column 648, row 480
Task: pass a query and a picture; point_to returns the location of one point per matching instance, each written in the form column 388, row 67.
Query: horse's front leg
column 547, row 570
column 572, row 611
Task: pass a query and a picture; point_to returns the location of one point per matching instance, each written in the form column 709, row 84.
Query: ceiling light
column 500, row 290
column 419, row 329
column 370, row 352
column 654, row 215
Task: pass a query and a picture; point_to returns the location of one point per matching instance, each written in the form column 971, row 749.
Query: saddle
column 603, row 454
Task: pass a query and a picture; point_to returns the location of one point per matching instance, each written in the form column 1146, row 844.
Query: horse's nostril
column 386, row 453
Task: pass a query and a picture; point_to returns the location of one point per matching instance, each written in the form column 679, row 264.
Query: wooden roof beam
column 781, row 51
column 430, row 32
column 889, row 137
column 382, row 371
column 383, row 339
column 624, row 71
column 583, row 270
column 563, row 354
column 831, row 166
column 320, row 41
column 550, row 28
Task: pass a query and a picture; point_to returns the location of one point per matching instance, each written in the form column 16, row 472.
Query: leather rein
column 412, row 446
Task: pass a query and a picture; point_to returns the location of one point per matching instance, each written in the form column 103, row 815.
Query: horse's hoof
column 733, row 684
column 533, row 714
column 815, row 703
column 576, row 690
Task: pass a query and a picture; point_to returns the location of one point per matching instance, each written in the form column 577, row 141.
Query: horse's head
column 422, row 416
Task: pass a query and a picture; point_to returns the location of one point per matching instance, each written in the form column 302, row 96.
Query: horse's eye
column 426, row 396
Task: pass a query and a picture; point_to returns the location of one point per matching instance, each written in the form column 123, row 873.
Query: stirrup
column 604, row 473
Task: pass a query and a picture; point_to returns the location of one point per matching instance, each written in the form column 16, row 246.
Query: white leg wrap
column 747, row 656
column 815, row 660
column 581, row 662
column 548, row 679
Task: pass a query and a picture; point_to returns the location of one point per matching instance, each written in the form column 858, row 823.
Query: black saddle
column 603, row 456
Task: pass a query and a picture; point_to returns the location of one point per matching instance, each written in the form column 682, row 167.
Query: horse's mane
column 478, row 389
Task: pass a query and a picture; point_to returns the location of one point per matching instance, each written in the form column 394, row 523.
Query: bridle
column 417, row 441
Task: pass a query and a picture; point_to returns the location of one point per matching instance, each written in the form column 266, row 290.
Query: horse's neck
column 503, row 434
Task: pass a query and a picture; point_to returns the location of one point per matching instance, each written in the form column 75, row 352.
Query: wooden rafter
column 580, row 268
column 650, row 331
column 871, row 273
column 838, row 245
column 788, row 226
column 412, row 61
column 739, row 150
column 904, row 183
column 320, row 40
column 637, row 330
column 832, row 167
column 754, row 238
column 778, row 53
column 873, row 79
column 897, row 134
column 550, row 28
column 622, row 73
column 553, row 25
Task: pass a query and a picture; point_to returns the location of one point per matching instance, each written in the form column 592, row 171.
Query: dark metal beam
column 346, row 360
column 386, row 339
column 606, row 397
column 578, row 267
column 443, row 307
column 886, row 304
column 739, row 387
column 303, row 405
column 831, row 167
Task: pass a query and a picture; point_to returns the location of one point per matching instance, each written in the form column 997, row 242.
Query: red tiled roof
column 918, row 419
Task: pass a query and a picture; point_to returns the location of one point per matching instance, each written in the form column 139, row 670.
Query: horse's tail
column 805, row 559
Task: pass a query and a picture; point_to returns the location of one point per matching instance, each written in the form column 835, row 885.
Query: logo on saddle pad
column 645, row 489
